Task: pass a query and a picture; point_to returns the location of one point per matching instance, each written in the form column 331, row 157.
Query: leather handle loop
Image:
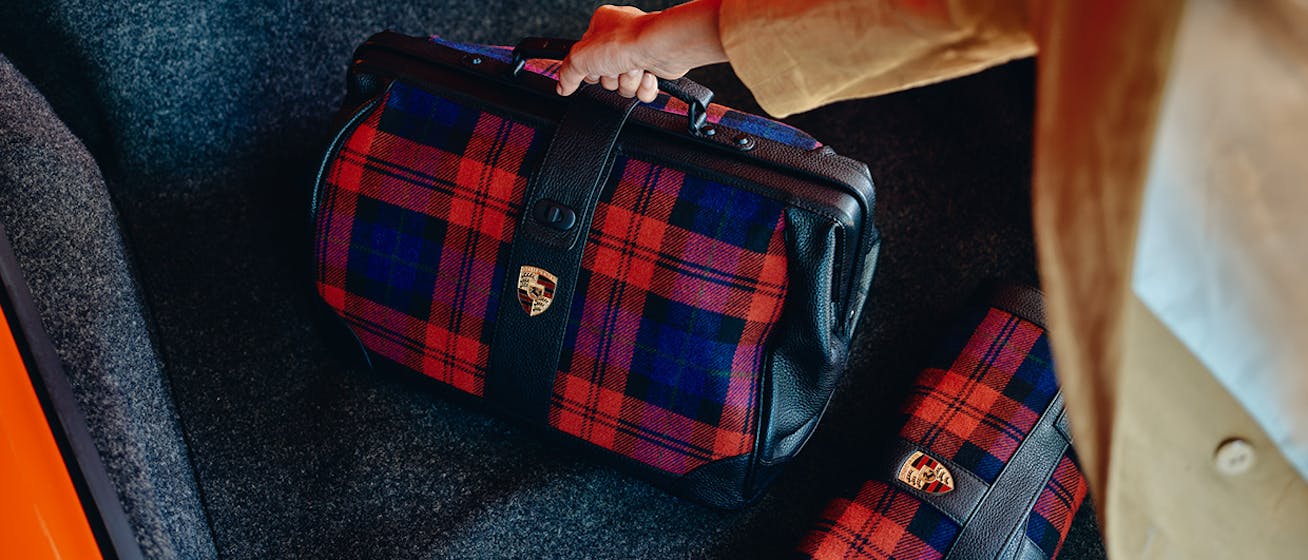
column 694, row 94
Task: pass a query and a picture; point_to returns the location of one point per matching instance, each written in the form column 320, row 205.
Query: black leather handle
column 694, row 94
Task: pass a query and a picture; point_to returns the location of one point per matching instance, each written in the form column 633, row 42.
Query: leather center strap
column 545, row 257
column 996, row 528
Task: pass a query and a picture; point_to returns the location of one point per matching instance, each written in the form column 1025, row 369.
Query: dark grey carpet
column 207, row 120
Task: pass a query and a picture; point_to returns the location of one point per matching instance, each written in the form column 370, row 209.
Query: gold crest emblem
column 926, row 474
column 536, row 289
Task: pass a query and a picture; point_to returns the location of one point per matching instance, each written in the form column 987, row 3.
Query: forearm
column 625, row 49
column 798, row 54
column 686, row 33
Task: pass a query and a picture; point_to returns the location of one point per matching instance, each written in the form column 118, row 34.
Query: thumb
column 570, row 77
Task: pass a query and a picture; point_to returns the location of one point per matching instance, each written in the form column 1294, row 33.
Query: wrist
column 681, row 38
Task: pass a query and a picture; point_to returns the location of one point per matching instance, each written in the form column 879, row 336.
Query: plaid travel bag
column 672, row 284
column 982, row 468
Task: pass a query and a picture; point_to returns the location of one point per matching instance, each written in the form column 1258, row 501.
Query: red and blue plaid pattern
column 1052, row 515
column 417, row 214
column 681, row 281
column 973, row 405
column 879, row 522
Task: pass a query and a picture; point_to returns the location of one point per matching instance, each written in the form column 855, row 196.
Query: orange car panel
column 40, row 513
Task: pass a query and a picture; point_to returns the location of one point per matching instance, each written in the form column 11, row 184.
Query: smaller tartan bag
column 671, row 284
column 982, row 468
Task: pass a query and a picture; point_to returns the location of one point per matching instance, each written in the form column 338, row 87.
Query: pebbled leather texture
column 811, row 340
column 1024, row 301
column 1029, row 550
column 996, row 530
column 525, row 352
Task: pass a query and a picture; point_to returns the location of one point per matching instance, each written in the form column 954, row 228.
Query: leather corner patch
column 536, row 289
column 921, row 472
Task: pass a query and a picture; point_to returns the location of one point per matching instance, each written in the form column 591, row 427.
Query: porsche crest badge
column 536, row 289
column 923, row 473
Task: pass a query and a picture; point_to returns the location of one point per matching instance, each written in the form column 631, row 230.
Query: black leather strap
column 563, row 192
column 1024, row 301
column 1029, row 550
column 1006, row 507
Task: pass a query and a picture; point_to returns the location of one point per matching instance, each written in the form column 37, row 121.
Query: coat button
column 1234, row 456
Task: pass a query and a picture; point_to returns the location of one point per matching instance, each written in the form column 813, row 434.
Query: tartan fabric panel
column 717, row 114
column 418, row 214
column 1051, row 518
column 982, row 394
column 681, row 282
column 879, row 522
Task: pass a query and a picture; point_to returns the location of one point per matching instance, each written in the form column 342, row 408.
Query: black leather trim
column 524, row 354
column 575, row 165
column 1029, row 550
column 809, row 343
column 1062, row 424
column 1006, row 507
column 335, row 331
column 1023, row 301
column 959, row 504
column 348, row 121
column 339, row 337
column 722, row 483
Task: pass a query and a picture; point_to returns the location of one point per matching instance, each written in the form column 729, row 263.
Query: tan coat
column 1150, row 418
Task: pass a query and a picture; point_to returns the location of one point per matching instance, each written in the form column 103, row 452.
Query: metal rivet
column 476, row 60
column 1234, row 456
column 710, row 131
column 742, row 140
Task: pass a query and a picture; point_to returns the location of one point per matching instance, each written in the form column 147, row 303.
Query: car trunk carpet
column 208, row 120
column 64, row 232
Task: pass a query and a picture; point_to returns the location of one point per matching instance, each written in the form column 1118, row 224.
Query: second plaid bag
column 674, row 283
column 983, row 466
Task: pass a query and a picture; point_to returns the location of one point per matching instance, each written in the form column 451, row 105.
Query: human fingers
column 629, row 82
column 609, row 82
column 649, row 88
column 570, row 78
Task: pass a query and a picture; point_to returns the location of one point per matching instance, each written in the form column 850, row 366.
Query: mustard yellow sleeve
column 796, row 55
